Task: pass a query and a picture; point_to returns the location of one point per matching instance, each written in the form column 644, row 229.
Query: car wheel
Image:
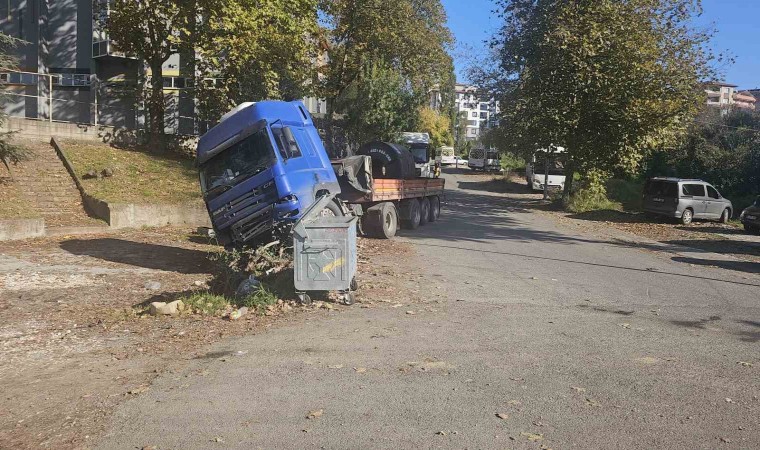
column 687, row 217
column 726, row 216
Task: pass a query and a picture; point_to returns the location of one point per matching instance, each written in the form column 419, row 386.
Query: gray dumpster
column 324, row 252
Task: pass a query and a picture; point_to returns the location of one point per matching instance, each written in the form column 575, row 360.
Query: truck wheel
column 424, row 210
column 410, row 213
column 435, row 208
column 381, row 221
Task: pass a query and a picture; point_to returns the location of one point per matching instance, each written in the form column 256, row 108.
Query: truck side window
column 286, row 142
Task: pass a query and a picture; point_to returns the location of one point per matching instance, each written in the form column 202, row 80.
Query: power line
column 728, row 126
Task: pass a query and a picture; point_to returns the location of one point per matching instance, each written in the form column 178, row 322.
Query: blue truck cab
column 263, row 165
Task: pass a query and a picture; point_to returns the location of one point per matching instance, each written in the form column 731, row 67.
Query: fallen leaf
column 625, row 325
column 315, row 414
column 514, row 402
column 441, row 433
column 743, row 363
column 532, row 437
column 502, row 416
column 411, row 313
column 591, row 402
column 360, row 369
column 728, row 400
column 335, row 366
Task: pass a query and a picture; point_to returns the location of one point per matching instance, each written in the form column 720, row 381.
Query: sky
column 737, row 23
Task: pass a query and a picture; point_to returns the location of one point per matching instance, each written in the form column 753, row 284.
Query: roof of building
column 721, row 83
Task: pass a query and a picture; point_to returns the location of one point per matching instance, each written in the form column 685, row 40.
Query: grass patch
column 260, row 300
column 206, row 303
column 13, row 204
column 585, row 200
column 139, row 177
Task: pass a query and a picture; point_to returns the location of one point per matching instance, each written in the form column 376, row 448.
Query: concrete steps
column 49, row 187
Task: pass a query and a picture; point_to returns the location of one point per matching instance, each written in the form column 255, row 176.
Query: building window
column 474, row 114
column 484, row 106
column 484, row 115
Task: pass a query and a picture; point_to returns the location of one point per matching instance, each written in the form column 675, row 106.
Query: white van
column 535, row 170
column 485, row 160
column 447, row 156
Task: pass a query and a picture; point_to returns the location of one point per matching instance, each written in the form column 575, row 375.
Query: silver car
column 685, row 200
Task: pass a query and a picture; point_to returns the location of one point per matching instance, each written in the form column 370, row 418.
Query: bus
column 536, row 174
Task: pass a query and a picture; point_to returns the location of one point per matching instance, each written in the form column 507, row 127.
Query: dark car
column 751, row 217
column 686, row 200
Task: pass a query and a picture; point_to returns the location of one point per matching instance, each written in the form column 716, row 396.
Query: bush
column 592, row 195
column 627, row 192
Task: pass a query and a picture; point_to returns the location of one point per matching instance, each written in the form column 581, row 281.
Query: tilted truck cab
column 262, row 165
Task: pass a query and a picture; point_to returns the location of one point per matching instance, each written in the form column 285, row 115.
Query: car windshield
column 245, row 159
column 660, row 188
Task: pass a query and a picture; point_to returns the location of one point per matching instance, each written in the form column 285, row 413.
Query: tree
column 407, row 36
column 381, row 104
column 151, row 30
column 256, row 50
column 10, row 154
column 607, row 79
column 437, row 125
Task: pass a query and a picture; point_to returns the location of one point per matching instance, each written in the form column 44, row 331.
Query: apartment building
column 480, row 113
column 68, row 70
column 726, row 96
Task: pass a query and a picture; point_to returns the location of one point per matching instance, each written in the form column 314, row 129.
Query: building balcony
column 106, row 48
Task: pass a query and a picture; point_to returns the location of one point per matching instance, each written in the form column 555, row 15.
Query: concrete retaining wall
column 21, row 229
column 133, row 216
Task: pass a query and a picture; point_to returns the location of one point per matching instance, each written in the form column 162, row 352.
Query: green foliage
column 437, row 125
column 373, row 45
column 206, row 303
column 607, row 79
column 257, row 50
column 592, row 194
column 510, row 162
column 259, row 300
column 10, row 154
column 378, row 105
column 721, row 149
column 626, row 192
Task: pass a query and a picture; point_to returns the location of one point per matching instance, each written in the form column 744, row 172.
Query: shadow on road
column 139, row 254
column 739, row 266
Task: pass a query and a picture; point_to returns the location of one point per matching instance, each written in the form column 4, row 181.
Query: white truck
column 487, row 160
column 547, row 167
column 424, row 159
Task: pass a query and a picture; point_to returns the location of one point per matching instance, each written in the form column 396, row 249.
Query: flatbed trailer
column 385, row 204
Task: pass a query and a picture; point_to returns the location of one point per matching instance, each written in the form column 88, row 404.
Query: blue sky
column 737, row 23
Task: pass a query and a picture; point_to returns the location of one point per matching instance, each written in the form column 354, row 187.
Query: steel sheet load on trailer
column 386, row 203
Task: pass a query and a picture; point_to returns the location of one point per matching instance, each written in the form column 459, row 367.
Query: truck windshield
column 245, row 159
column 556, row 165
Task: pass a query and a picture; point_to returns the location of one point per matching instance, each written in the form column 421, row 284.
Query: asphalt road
column 576, row 341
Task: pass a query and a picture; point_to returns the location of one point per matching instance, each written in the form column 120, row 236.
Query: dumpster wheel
column 304, row 298
column 349, row 298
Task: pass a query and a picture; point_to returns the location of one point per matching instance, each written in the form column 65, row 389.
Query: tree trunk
column 332, row 151
column 569, row 179
column 156, row 108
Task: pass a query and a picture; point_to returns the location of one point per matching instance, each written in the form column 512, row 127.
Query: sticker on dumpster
column 333, row 265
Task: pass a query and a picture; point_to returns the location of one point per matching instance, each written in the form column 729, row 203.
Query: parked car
column 750, row 217
column 685, row 200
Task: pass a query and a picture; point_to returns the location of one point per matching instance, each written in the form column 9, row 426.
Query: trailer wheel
column 410, row 213
column 381, row 221
column 435, row 208
column 424, row 210
column 332, row 209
